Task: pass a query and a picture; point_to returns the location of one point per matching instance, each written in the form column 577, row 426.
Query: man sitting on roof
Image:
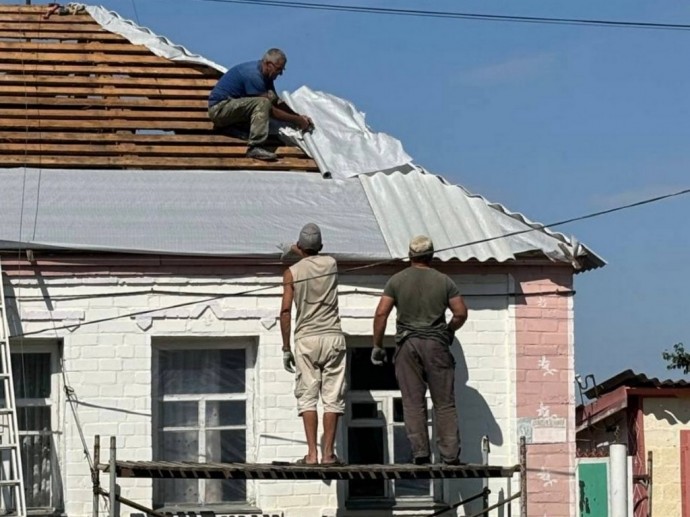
column 246, row 93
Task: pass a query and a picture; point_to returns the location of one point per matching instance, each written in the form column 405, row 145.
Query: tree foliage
column 678, row 359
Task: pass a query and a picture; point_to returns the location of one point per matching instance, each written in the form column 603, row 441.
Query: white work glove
column 288, row 361
column 287, row 250
column 378, row 356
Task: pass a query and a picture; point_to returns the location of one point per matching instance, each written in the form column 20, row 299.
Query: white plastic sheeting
column 342, row 144
column 163, row 47
column 234, row 213
column 412, row 203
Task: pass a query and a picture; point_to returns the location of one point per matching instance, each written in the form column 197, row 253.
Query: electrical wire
column 91, row 296
column 540, row 227
column 423, row 13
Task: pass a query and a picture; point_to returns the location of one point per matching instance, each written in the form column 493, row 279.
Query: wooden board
column 63, row 161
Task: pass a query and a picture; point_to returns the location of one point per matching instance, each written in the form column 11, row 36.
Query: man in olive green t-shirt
column 421, row 296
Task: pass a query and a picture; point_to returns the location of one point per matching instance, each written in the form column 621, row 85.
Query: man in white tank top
column 320, row 353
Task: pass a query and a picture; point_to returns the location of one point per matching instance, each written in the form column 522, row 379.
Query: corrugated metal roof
column 412, row 202
column 630, row 379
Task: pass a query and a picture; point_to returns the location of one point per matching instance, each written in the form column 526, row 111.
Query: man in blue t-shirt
column 245, row 93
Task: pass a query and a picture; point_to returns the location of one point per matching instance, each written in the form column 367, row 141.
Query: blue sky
column 550, row 120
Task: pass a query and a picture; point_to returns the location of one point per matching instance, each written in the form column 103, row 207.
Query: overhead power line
column 423, row 13
column 536, row 227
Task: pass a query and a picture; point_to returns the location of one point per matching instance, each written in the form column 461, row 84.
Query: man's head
column 273, row 63
column 310, row 239
column 421, row 249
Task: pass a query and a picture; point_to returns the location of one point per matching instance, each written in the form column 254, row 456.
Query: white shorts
column 320, row 370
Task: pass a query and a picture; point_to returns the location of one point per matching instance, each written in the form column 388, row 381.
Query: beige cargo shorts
column 320, row 370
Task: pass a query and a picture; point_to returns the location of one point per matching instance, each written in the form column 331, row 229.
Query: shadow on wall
column 675, row 411
column 475, row 420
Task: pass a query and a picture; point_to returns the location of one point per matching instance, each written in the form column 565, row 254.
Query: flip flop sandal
column 303, row 461
column 335, row 462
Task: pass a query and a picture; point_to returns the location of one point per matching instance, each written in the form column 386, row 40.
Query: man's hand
column 305, row 123
column 288, row 250
column 288, row 361
column 378, row 356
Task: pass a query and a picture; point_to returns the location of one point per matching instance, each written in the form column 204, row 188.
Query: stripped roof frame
column 73, row 94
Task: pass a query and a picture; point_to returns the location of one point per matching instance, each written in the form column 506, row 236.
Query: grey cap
column 310, row 238
column 421, row 245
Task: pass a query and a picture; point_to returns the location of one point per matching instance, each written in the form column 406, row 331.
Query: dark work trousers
column 420, row 362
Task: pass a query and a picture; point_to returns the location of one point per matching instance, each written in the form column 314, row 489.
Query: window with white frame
column 200, row 415
column 375, row 431
column 35, row 372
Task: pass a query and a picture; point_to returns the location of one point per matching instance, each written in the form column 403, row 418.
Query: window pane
column 364, row 410
column 222, row 413
column 31, row 373
column 33, row 418
column 366, row 376
column 178, row 446
column 180, row 414
column 365, row 446
column 37, row 458
column 398, row 415
column 201, row 371
column 226, row 447
column 402, row 453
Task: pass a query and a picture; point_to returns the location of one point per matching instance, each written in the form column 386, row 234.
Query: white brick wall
column 109, row 366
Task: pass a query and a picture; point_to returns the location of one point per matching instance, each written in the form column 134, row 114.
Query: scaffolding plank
column 176, row 470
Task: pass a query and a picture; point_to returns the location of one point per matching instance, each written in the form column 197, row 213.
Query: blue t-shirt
column 243, row 80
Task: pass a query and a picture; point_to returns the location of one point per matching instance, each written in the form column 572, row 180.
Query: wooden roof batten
column 73, row 95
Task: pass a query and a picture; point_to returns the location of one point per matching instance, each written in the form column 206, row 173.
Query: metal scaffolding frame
column 286, row 471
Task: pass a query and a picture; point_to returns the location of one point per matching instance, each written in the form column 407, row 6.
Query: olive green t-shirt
column 421, row 298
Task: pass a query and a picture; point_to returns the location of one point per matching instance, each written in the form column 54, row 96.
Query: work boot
column 259, row 153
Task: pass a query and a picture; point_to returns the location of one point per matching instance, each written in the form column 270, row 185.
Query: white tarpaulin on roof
column 163, row 47
column 342, row 144
column 238, row 213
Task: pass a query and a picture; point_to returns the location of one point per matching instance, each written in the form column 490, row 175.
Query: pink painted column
column 545, row 391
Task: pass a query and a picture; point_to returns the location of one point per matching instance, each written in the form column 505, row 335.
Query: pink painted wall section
column 545, row 392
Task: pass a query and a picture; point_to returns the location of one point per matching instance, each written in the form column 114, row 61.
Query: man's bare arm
column 301, row 121
column 459, row 310
column 286, row 309
column 385, row 306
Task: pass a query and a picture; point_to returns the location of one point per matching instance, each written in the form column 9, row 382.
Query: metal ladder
column 12, row 497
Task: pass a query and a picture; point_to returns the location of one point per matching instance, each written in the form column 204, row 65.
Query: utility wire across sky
column 536, row 227
column 423, row 13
